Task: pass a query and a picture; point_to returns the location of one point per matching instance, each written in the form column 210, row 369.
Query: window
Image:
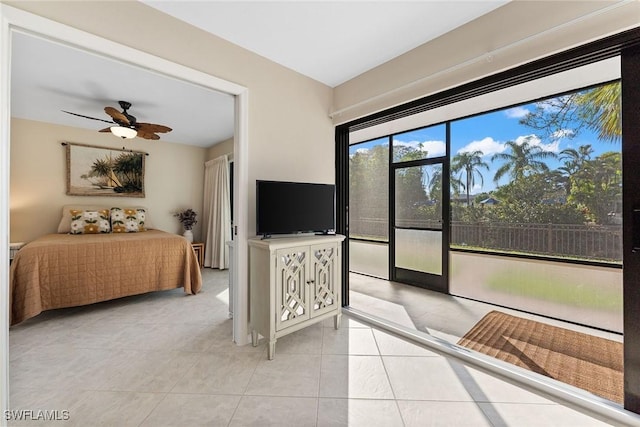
column 541, row 178
column 369, row 207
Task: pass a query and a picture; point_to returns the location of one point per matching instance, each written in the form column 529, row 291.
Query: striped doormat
column 590, row 363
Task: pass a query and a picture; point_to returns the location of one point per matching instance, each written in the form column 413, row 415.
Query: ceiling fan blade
column 152, row 128
column 119, row 117
column 86, row 117
column 105, row 130
column 147, row 135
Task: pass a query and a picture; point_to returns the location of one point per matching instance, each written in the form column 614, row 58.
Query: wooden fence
column 593, row 242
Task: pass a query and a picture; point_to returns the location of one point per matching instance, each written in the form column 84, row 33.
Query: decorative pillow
column 90, row 222
column 128, row 220
column 65, row 222
column 64, row 227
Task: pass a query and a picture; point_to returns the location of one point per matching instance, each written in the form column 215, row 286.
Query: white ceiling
column 47, row 78
column 331, row 42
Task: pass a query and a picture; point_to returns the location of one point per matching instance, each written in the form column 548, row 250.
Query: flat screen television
column 294, row 207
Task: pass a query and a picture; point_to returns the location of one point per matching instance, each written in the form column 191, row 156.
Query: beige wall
column 291, row 136
column 514, row 34
column 221, row 148
column 174, row 178
column 290, row 132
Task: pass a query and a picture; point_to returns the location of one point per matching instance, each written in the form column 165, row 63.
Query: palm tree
column 103, row 168
column 129, row 168
column 598, row 185
column 574, row 160
column 469, row 163
column 598, row 109
column 523, row 159
column 435, row 184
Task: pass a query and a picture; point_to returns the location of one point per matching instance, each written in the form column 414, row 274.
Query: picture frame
column 103, row 171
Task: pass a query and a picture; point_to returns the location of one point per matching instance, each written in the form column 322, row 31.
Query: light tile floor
column 166, row 359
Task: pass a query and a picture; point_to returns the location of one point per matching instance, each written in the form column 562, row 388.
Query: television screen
column 294, row 207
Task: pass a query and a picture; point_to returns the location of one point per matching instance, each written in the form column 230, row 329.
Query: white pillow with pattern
column 90, row 221
column 128, row 220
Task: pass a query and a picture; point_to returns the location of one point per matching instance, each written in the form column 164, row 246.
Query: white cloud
column 397, row 142
column 516, row 112
column 563, row 133
column 532, row 139
column 487, row 145
column 434, row 148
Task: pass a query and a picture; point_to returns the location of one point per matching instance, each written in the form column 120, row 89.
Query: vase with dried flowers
column 187, row 218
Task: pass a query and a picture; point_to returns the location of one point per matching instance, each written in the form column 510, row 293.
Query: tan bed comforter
column 63, row 270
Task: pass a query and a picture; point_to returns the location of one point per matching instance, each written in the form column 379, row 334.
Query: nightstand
column 198, row 248
column 14, row 247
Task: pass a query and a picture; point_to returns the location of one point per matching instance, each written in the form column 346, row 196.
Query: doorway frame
column 433, row 282
column 430, row 281
column 16, row 20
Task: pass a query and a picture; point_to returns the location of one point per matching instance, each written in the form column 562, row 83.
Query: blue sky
column 488, row 133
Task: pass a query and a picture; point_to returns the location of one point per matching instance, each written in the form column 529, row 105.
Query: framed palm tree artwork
column 102, row 171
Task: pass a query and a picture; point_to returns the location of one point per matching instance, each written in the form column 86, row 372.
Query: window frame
column 627, row 45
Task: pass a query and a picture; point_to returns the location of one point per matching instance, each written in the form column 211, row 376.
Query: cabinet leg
column 336, row 321
column 271, row 349
column 254, row 338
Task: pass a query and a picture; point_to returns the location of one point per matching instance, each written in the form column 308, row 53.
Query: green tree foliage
column 468, row 164
column 128, row 169
column 598, row 109
column 369, row 190
column 125, row 174
column 411, row 184
column 583, row 189
column 470, row 213
column 101, row 168
column 406, row 153
column 597, row 186
column 411, row 192
column 574, row 159
column 521, row 160
column 536, row 198
column 432, row 209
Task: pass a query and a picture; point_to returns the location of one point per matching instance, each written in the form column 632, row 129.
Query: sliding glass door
column 418, row 227
column 419, row 230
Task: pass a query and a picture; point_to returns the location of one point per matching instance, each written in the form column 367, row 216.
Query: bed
column 67, row 270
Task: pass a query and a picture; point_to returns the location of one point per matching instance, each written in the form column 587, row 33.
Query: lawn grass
column 547, row 288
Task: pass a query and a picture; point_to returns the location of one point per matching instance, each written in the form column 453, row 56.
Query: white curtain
column 217, row 213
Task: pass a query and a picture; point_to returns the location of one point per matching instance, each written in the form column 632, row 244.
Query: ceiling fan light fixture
column 123, row 132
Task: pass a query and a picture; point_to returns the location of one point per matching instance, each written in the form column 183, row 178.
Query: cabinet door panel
column 325, row 293
column 292, row 289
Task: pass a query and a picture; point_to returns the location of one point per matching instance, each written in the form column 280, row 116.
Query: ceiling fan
column 126, row 125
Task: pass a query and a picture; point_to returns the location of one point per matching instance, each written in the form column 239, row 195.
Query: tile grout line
column 386, row 372
column 154, row 408
column 320, row 375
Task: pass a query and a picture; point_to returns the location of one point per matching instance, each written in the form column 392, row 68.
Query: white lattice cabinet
column 294, row 282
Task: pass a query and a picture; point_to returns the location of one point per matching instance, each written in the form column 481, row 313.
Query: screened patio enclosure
column 500, row 198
